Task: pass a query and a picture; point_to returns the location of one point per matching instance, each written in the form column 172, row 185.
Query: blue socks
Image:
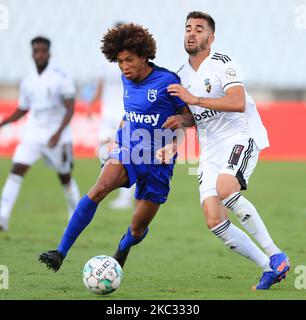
column 83, row 214
column 128, row 240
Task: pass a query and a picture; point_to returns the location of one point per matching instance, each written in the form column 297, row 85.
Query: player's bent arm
column 178, row 123
column 184, row 119
column 188, row 118
column 16, row 115
column 233, row 101
column 97, row 97
column 69, row 105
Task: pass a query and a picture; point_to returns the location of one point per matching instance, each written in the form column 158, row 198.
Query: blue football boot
column 266, row 281
column 279, row 263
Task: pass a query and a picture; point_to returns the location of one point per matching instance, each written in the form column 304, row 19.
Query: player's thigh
column 113, row 175
column 60, row 158
column 208, row 172
column 145, row 211
column 27, row 153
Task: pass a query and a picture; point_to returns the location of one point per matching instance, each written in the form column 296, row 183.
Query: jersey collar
column 203, row 63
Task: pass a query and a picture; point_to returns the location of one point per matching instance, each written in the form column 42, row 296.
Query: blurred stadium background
column 268, row 40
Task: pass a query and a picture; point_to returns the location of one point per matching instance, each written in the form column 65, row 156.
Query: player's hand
column 178, row 90
column 166, row 154
column 174, row 122
column 54, row 140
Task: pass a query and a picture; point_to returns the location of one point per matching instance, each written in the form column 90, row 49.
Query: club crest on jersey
column 152, row 95
column 207, row 85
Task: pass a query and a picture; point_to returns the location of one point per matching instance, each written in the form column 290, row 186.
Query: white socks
column 8, row 198
column 126, row 194
column 72, row 195
column 238, row 241
column 11, row 190
column 251, row 221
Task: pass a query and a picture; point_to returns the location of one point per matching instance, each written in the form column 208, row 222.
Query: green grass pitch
column 179, row 259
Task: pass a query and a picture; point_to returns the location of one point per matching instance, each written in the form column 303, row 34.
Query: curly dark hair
column 130, row 37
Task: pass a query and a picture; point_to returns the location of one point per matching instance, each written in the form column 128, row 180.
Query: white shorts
column 237, row 157
column 59, row 158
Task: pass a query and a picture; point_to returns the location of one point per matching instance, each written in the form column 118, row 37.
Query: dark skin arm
column 16, row 115
column 69, row 104
column 184, row 119
column 96, row 99
column 178, row 123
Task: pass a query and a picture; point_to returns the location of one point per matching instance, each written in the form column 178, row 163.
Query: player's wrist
column 198, row 101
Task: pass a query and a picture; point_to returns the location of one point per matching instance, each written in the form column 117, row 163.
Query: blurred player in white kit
column 109, row 93
column 47, row 94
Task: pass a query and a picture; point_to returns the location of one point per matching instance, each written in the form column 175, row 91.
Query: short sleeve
column 24, row 100
column 231, row 75
column 67, row 88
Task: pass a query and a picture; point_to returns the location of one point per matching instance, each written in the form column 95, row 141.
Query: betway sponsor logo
column 205, row 114
column 142, row 118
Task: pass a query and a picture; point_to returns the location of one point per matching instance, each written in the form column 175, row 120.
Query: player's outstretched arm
column 16, row 115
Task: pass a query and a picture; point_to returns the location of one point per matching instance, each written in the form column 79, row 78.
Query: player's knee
column 19, row 169
column 213, row 222
column 65, row 178
column 226, row 187
column 211, row 218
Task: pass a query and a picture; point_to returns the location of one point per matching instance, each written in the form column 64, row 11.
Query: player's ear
column 211, row 38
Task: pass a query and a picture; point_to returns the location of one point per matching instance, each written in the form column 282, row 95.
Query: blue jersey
column 147, row 105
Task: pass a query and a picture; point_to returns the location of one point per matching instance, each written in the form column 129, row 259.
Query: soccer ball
column 102, row 274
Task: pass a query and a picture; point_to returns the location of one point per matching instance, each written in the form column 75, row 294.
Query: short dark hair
column 40, row 39
column 204, row 16
column 130, row 37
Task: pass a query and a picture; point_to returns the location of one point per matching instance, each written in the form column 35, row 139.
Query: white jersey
column 216, row 74
column 43, row 94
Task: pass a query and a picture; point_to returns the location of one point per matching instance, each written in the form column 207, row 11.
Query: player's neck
column 145, row 72
column 196, row 60
column 40, row 69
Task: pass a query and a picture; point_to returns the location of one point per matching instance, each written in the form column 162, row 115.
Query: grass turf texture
column 179, row 259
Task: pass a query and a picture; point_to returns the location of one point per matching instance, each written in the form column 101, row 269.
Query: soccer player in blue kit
column 147, row 106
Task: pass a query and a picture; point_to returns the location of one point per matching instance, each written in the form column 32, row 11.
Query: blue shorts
column 152, row 180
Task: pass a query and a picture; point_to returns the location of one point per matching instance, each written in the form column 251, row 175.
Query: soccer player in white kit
column 231, row 136
column 47, row 94
column 109, row 93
